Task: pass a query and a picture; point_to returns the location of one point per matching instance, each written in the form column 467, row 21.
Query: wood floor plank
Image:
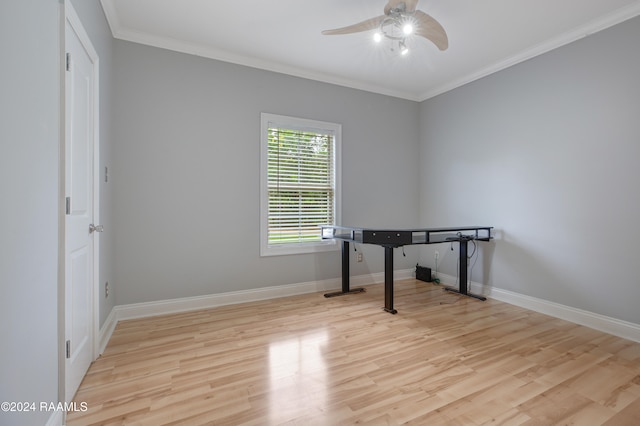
column 306, row 360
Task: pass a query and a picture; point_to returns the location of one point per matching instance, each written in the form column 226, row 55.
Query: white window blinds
column 301, row 183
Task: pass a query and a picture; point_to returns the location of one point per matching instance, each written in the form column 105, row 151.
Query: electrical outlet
column 106, row 289
column 436, row 255
column 359, row 257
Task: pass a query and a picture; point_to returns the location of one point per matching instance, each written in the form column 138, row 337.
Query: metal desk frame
column 390, row 239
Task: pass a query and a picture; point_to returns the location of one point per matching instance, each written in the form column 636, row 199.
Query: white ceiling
column 284, row 36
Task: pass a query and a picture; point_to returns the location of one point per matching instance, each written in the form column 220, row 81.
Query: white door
column 81, row 202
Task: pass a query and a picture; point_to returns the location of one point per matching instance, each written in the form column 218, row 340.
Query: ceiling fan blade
column 369, row 24
column 410, row 5
column 431, row 29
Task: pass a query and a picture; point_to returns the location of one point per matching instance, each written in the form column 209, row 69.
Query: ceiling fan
column 401, row 19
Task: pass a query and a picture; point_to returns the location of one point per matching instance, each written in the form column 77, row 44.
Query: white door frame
column 72, row 18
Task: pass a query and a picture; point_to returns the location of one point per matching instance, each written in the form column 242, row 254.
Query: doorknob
column 95, row 228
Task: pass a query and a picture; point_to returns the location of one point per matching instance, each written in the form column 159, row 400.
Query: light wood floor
column 307, row 360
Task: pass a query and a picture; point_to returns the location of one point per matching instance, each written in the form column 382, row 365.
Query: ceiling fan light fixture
column 401, row 21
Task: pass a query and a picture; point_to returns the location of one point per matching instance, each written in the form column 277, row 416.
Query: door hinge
column 68, row 349
column 68, row 205
column 68, row 62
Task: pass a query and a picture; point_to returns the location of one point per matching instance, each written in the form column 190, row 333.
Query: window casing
column 300, row 184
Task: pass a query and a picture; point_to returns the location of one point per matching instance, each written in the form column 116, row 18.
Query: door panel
column 80, row 299
column 80, row 185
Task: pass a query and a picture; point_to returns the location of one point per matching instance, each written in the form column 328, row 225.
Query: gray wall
column 546, row 151
column 186, row 173
column 29, row 139
column 95, row 24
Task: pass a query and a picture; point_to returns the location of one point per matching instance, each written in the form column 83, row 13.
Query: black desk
column 392, row 238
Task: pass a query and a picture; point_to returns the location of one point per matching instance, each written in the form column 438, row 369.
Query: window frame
column 295, row 123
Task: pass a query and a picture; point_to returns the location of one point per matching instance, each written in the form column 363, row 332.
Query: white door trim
column 72, row 18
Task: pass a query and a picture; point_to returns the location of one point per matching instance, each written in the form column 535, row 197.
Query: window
column 300, row 176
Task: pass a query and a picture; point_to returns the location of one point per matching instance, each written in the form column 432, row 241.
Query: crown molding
column 577, row 33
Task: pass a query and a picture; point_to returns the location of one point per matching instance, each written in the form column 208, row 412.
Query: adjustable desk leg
column 345, row 274
column 462, row 272
column 463, row 265
column 388, row 280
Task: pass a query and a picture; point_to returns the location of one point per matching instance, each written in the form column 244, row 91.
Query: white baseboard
column 624, row 329
column 107, row 330
column 603, row 323
column 56, row 419
column 185, row 304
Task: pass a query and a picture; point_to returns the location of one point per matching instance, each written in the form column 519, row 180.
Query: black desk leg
column 462, row 271
column 388, row 280
column 463, row 266
column 345, row 274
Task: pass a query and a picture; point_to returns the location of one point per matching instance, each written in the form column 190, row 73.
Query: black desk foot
column 475, row 296
column 342, row 293
column 391, row 311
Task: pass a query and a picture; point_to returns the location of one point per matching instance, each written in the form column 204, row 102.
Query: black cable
column 475, row 246
column 474, row 262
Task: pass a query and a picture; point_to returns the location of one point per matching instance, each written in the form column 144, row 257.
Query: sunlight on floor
column 297, row 374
